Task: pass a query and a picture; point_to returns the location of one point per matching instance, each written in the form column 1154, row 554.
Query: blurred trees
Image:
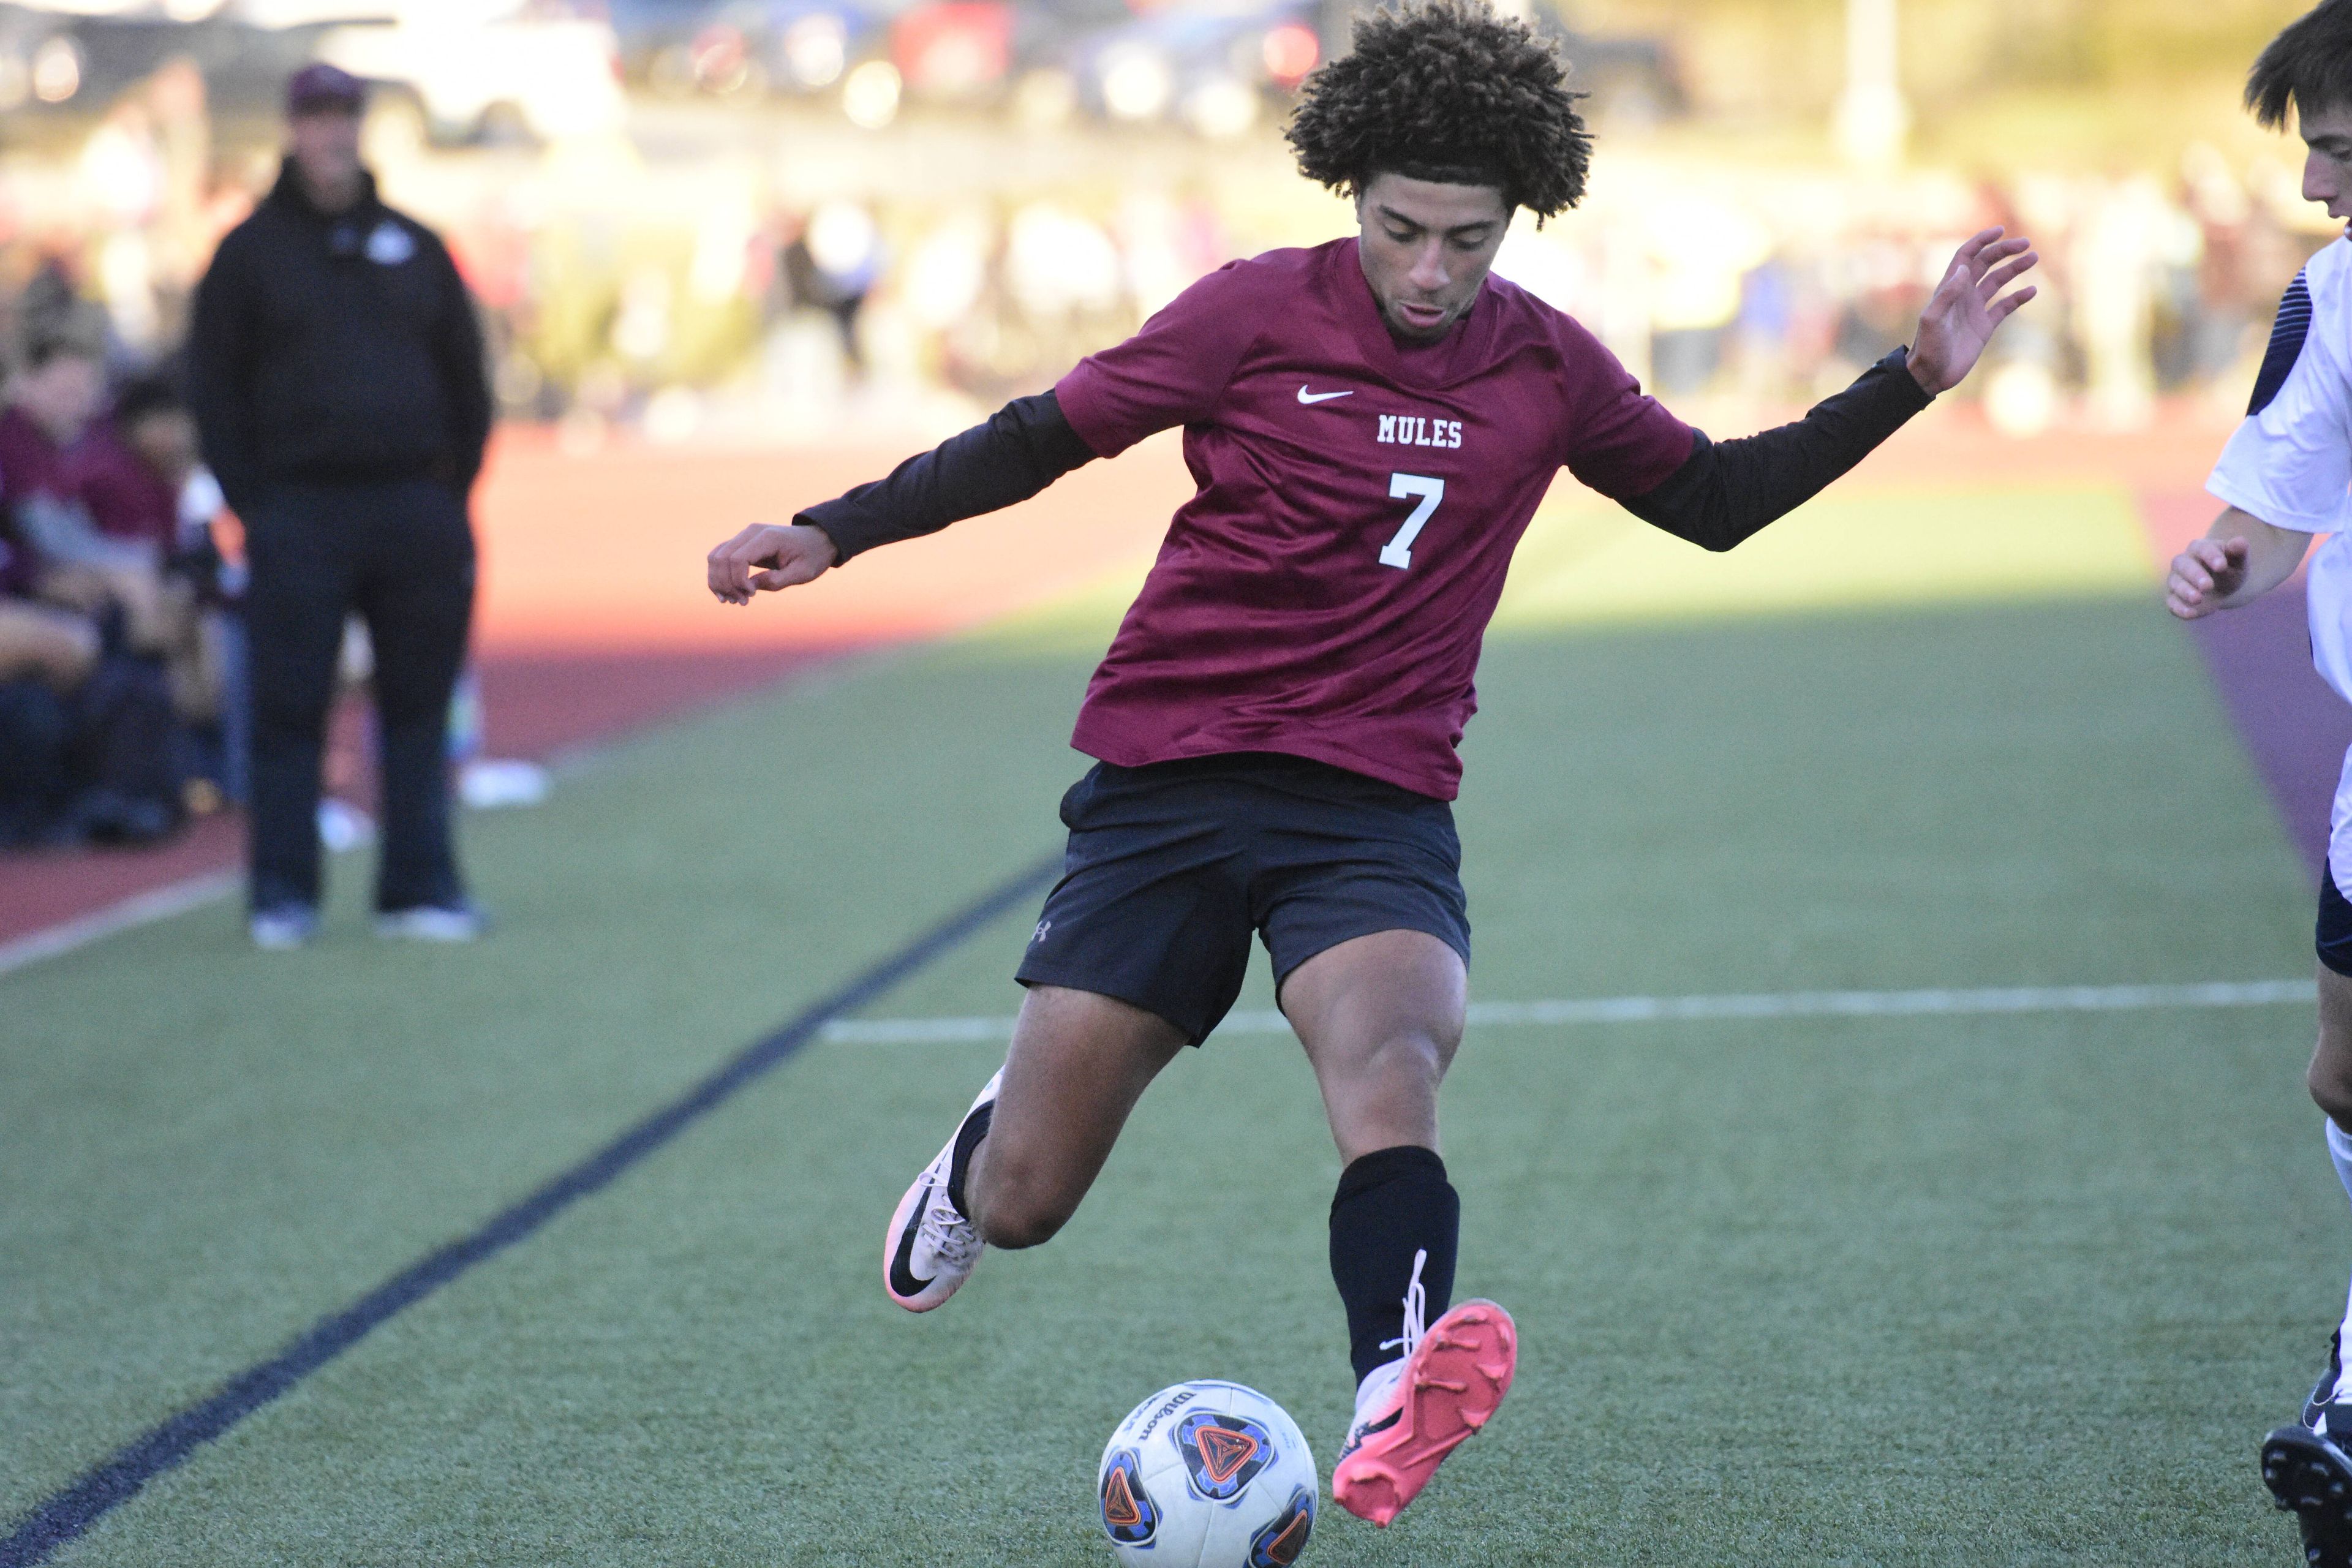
column 1780, row 59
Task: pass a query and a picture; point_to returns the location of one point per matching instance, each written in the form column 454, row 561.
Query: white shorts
column 2339, row 829
column 2334, row 935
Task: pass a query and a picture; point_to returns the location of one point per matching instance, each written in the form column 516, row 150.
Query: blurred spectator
column 54, row 392
column 51, row 402
column 96, row 745
column 212, row 559
column 46, row 656
column 48, row 305
column 831, row 265
column 129, row 468
column 132, row 472
column 344, row 404
column 2121, row 244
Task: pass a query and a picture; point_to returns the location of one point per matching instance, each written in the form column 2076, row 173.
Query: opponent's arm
column 1725, row 492
column 1017, row 452
column 2240, row 559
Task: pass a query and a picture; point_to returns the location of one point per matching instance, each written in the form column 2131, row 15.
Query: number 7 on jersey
column 1398, row 551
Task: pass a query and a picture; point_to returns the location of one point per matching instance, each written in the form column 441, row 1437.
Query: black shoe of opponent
column 2314, row 1409
column 2309, row 1475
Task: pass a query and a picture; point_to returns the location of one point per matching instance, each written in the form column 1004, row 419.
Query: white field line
column 140, row 908
column 1677, row 1009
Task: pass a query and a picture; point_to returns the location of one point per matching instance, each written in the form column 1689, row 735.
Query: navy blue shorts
column 2334, row 932
column 1172, row 866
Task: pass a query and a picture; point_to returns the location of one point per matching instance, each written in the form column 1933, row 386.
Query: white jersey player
column 2286, row 476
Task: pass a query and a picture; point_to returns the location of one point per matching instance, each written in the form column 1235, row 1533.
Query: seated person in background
column 51, row 400
column 46, row 655
column 131, row 474
column 88, row 600
column 128, row 470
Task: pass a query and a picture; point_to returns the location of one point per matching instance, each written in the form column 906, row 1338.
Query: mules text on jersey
column 1412, row 430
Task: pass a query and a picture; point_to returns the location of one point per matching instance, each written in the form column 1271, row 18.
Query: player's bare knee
column 1021, row 1208
column 1412, row 1061
column 2330, row 1080
column 1020, row 1224
column 2330, row 1077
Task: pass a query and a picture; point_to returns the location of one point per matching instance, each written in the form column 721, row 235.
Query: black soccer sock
column 968, row 1137
column 1391, row 1203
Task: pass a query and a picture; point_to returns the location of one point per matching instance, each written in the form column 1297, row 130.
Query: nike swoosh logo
column 1307, row 396
column 1372, row 1429
column 902, row 1274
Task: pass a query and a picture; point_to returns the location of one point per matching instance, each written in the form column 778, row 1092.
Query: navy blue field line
column 68, row 1512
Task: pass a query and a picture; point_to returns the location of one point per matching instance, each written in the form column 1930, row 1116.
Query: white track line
column 138, row 910
column 1655, row 1009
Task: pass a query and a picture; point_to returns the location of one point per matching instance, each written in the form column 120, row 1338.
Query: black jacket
column 335, row 347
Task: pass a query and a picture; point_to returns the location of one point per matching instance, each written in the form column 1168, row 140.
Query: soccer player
column 1372, row 423
column 2283, row 477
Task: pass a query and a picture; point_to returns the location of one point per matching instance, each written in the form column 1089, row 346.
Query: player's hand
column 1967, row 306
column 767, row 556
column 2204, row 575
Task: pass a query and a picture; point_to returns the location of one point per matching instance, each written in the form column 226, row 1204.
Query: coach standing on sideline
column 338, row 378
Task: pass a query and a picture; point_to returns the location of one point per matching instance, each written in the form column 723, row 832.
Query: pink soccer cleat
column 1416, row 1410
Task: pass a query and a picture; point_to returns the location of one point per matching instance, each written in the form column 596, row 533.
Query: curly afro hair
column 1446, row 90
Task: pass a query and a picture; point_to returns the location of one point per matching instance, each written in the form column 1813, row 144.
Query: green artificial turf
column 1899, row 1290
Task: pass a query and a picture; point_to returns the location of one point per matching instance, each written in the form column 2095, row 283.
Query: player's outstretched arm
column 2240, row 559
column 1968, row 307
column 1726, row 491
column 1018, row 451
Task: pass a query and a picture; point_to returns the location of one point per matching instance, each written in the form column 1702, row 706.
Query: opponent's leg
column 1031, row 1144
column 2308, row 1467
column 1381, row 1017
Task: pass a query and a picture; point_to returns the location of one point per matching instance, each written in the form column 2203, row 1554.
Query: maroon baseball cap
column 321, row 86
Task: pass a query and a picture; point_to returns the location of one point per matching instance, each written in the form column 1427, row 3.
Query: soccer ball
column 1207, row 1475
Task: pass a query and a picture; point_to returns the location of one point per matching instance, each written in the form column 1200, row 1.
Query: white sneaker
column 431, row 923
column 343, row 827
column 494, row 783
column 283, row 929
column 931, row 1246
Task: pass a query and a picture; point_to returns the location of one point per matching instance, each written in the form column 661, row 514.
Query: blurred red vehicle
column 955, row 51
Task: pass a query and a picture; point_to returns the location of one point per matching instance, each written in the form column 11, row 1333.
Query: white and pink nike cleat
column 931, row 1245
column 1416, row 1410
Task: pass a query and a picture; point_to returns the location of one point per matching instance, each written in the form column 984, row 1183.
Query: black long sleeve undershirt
column 1727, row 490
column 1724, row 491
column 1019, row 450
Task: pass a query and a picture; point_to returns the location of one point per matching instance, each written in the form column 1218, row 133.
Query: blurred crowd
column 1750, row 292
column 1762, row 291
column 622, row 297
column 620, row 293
column 118, row 593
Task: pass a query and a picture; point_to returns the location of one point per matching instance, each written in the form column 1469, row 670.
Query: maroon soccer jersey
column 1325, row 592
